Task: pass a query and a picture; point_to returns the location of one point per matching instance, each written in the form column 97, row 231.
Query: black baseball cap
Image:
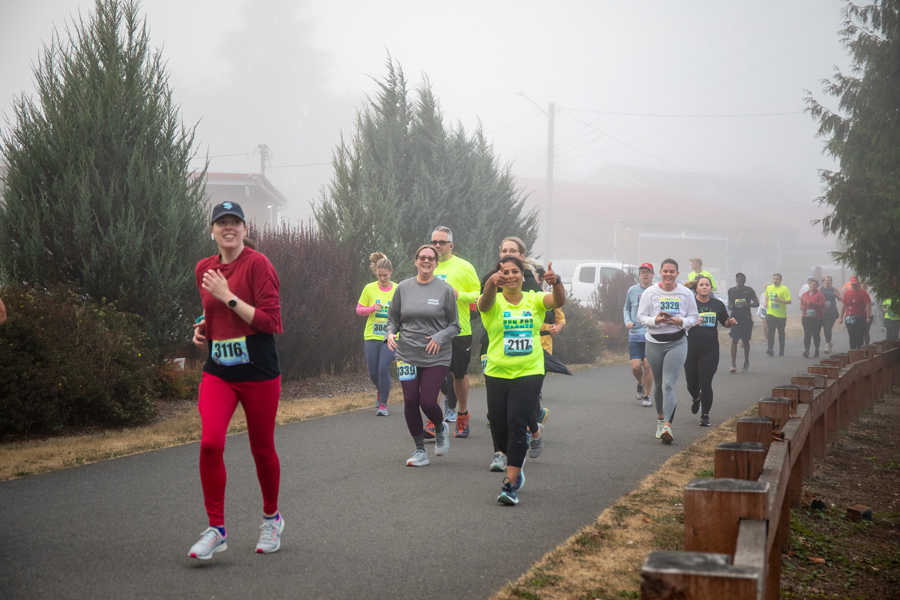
column 227, row 208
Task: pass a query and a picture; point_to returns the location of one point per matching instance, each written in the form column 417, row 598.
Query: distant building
column 257, row 196
column 634, row 215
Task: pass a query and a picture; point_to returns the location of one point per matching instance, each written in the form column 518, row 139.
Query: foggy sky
column 291, row 73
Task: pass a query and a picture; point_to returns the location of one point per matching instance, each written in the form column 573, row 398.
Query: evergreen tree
column 98, row 194
column 864, row 136
column 404, row 171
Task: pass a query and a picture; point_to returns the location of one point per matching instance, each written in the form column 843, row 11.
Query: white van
column 589, row 274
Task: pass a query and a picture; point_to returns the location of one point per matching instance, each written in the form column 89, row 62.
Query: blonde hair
column 430, row 247
column 518, row 242
column 378, row 260
column 699, row 261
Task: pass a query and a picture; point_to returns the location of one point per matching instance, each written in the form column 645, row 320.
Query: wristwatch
column 233, row 302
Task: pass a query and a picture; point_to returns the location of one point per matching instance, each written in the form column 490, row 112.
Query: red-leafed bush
column 318, row 300
column 615, row 336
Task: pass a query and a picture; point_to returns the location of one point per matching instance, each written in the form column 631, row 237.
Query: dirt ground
column 830, row 557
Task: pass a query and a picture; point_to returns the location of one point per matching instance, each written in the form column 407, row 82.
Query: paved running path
column 359, row 523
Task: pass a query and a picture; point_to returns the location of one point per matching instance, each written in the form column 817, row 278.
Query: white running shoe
column 660, row 427
column 667, row 437
column 449, row 413
column 646, row 401
column 499, row 463
column 639, row 391
column 270, row 535
column 442, row 440
column 211, row 541
column 418, row 459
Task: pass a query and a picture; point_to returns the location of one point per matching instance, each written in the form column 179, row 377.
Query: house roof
column 255, row 179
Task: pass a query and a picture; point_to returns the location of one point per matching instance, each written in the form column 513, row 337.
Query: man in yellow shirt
column 463, row 279
column 776, row 299
column 697, row 265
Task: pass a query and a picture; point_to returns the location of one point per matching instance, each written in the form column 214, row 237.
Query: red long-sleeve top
column 813, row 302
column 252, row 278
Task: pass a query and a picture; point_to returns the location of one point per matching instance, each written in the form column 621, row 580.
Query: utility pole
column 263, row 157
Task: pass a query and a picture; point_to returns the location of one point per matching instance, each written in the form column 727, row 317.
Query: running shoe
column 544, row 416
column 442, row 440
column 704, row 420
column 646, row 401
column 378, row 399
column 659, row 428
column 770, row 352
column 428, row 434
column 827, row 348
column 667, row 437
column 527, row 437
column 211, row 541
column 508, row 494
column 816, row 355
column 499, row 463
column 382, row 410
column 536, row 445
column 745, row 368
column 520, row 480
column 462, row 426
column 639, row 391
column 449, row 413
column 418, row 459
column 806, row 354
column 781, row 352
column 695, row 406
column 733, row 369
column 270, row 536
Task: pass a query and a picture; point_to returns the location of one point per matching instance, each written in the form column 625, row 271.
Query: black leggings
column 830, row 318
column 510, row 407
column 857, row 331
column 811, row 328
column 776, row 323
column 700, row 367
column 891, row 329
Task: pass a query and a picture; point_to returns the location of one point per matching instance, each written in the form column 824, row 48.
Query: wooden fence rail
column 737, row 525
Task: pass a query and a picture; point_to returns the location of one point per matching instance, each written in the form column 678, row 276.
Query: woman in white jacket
column 668, row 310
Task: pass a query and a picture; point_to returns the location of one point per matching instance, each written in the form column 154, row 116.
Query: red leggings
column 218, row 399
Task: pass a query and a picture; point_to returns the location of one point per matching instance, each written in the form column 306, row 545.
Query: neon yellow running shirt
column 376, row 323
column 514, row 332
column 776, row 296
column 694, row 275
column 462, row 277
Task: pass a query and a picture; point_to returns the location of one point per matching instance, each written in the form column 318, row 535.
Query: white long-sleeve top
column 680, row 302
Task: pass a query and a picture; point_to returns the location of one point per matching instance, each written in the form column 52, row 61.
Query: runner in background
column 374, row 303
column 702, row 359
column 667, row 310
column 423, row 315
column 697, row 266
column 463, row 279
column 812, row 309
column 515, row 365
column 777, row 297
column 637, row 336
column 761, row 313
column 873, row 306
column 239, row 290
column 805, row 287
column 891, row 322
column 741, row 300
column 855, row 312
column 551, row 329
column 832, row 297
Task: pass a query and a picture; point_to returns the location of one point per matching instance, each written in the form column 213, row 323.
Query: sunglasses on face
column 439, row 242
column 426, row 258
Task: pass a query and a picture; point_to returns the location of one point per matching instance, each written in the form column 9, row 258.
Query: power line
column 513, row 124
column 606, row 112
column 301, row 165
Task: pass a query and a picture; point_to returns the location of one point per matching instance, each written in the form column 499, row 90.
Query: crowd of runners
column 424, row 325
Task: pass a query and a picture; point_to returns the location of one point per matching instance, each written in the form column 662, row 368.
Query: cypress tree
column 99, row 195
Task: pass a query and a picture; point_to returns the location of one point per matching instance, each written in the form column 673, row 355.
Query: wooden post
column 777, row 409
column 843, row 409
column 818, row 426
column 713, row 509
column 810, row 379
column 831, row 421
column 696, row 575
column 829, row 371
column 845, row 358
column 755, row 429
column 833, row 361
column 857, row 355
column 739, row 460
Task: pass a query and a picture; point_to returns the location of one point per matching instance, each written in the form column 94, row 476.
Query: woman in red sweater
column 812, row 308
column 241, row 313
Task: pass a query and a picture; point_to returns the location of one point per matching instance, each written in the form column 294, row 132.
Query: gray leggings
column 666, row 361
column 378, row 360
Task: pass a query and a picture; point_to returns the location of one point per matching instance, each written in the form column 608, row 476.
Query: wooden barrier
column 737, row 525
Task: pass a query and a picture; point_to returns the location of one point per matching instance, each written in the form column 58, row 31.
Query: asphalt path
column 358, row 522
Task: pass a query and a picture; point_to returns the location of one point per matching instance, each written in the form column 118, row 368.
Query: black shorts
column 462, row 355
column 743, row 330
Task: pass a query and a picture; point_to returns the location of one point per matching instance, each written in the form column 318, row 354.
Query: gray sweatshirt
column 419, row 311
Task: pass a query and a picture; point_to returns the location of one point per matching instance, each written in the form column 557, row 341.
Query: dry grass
column 604, row 559
column 176, row 423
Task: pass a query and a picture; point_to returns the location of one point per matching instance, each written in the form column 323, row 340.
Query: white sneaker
column 660, row 427
column 646, row 401
column 667, row 437
column 449, row 413
column 210, row 542
column 442, row 440
column 418, row 459
column 639, row 391
column 499, row 462
column 270, row 535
